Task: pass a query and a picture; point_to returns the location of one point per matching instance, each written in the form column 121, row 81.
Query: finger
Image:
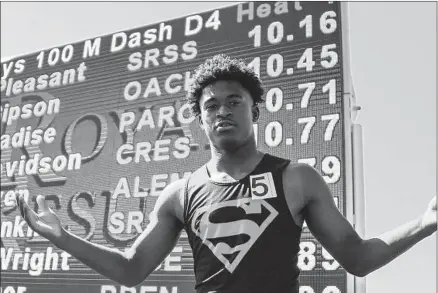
column 42, row 204
column 28, row 214
column 19, row 205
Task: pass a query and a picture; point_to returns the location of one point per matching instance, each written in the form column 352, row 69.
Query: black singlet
column 242, row 234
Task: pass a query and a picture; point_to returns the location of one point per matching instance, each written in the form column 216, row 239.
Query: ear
column 255, row 113
column 200, row 121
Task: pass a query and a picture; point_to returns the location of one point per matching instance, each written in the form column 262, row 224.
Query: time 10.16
column 275, row 32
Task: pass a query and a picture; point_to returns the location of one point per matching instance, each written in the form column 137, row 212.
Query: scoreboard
column 100, row 127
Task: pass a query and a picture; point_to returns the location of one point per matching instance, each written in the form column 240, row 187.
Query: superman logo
column 229, row 229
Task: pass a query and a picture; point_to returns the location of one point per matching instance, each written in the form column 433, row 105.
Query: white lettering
column 91, row 49
column 189, row 30
column 118, row 42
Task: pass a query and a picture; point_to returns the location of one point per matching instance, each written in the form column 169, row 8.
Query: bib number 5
column 262, row 186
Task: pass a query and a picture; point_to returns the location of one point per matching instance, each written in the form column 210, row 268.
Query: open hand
column 46, row 223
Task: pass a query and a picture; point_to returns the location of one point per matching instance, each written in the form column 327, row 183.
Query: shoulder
column 301, row 170
column 174, row 188
column 301, row 178
column 198, row 177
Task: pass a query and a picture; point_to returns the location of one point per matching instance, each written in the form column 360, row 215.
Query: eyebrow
column 230, row 96
column 234, row 96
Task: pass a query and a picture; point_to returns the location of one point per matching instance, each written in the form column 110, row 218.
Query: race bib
column 262, row 186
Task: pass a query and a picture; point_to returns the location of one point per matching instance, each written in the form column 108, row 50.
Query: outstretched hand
column 46, row 223
column 429, row 221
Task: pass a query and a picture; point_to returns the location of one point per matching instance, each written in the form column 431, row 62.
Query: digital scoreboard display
column 100, row 127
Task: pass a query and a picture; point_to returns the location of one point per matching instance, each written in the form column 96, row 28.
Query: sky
column 393, row 64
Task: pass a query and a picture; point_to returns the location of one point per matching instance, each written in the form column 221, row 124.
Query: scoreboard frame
column 354, row 178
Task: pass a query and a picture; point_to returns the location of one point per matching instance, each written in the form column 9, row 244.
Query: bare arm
column 128, row 268
column 358, row 256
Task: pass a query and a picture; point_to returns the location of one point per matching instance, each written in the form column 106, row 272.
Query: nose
column 224, row 111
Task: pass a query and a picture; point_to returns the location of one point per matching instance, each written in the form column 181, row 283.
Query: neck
column 235, row 160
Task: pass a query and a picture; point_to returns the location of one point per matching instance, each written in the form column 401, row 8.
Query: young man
column 243, row 210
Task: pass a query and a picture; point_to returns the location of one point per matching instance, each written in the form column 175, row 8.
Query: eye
column 235, row 102
column 211, row 106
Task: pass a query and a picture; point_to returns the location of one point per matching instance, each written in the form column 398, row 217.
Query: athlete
column 243, row 210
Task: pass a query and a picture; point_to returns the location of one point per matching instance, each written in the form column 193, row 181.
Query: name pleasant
column 10, row 86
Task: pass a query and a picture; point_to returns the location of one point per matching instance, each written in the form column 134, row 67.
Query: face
column 227, row 114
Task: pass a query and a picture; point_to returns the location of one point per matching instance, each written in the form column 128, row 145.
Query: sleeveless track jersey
column 243, row 237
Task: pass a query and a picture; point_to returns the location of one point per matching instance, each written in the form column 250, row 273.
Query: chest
column 223, row 197
column 253, row 198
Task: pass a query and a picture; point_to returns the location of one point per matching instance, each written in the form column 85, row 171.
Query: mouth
column 225, row 124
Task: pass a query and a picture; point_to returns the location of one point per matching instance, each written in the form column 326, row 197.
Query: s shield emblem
column 229, row 229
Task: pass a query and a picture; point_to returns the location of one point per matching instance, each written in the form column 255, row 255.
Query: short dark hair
column 222, row 67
